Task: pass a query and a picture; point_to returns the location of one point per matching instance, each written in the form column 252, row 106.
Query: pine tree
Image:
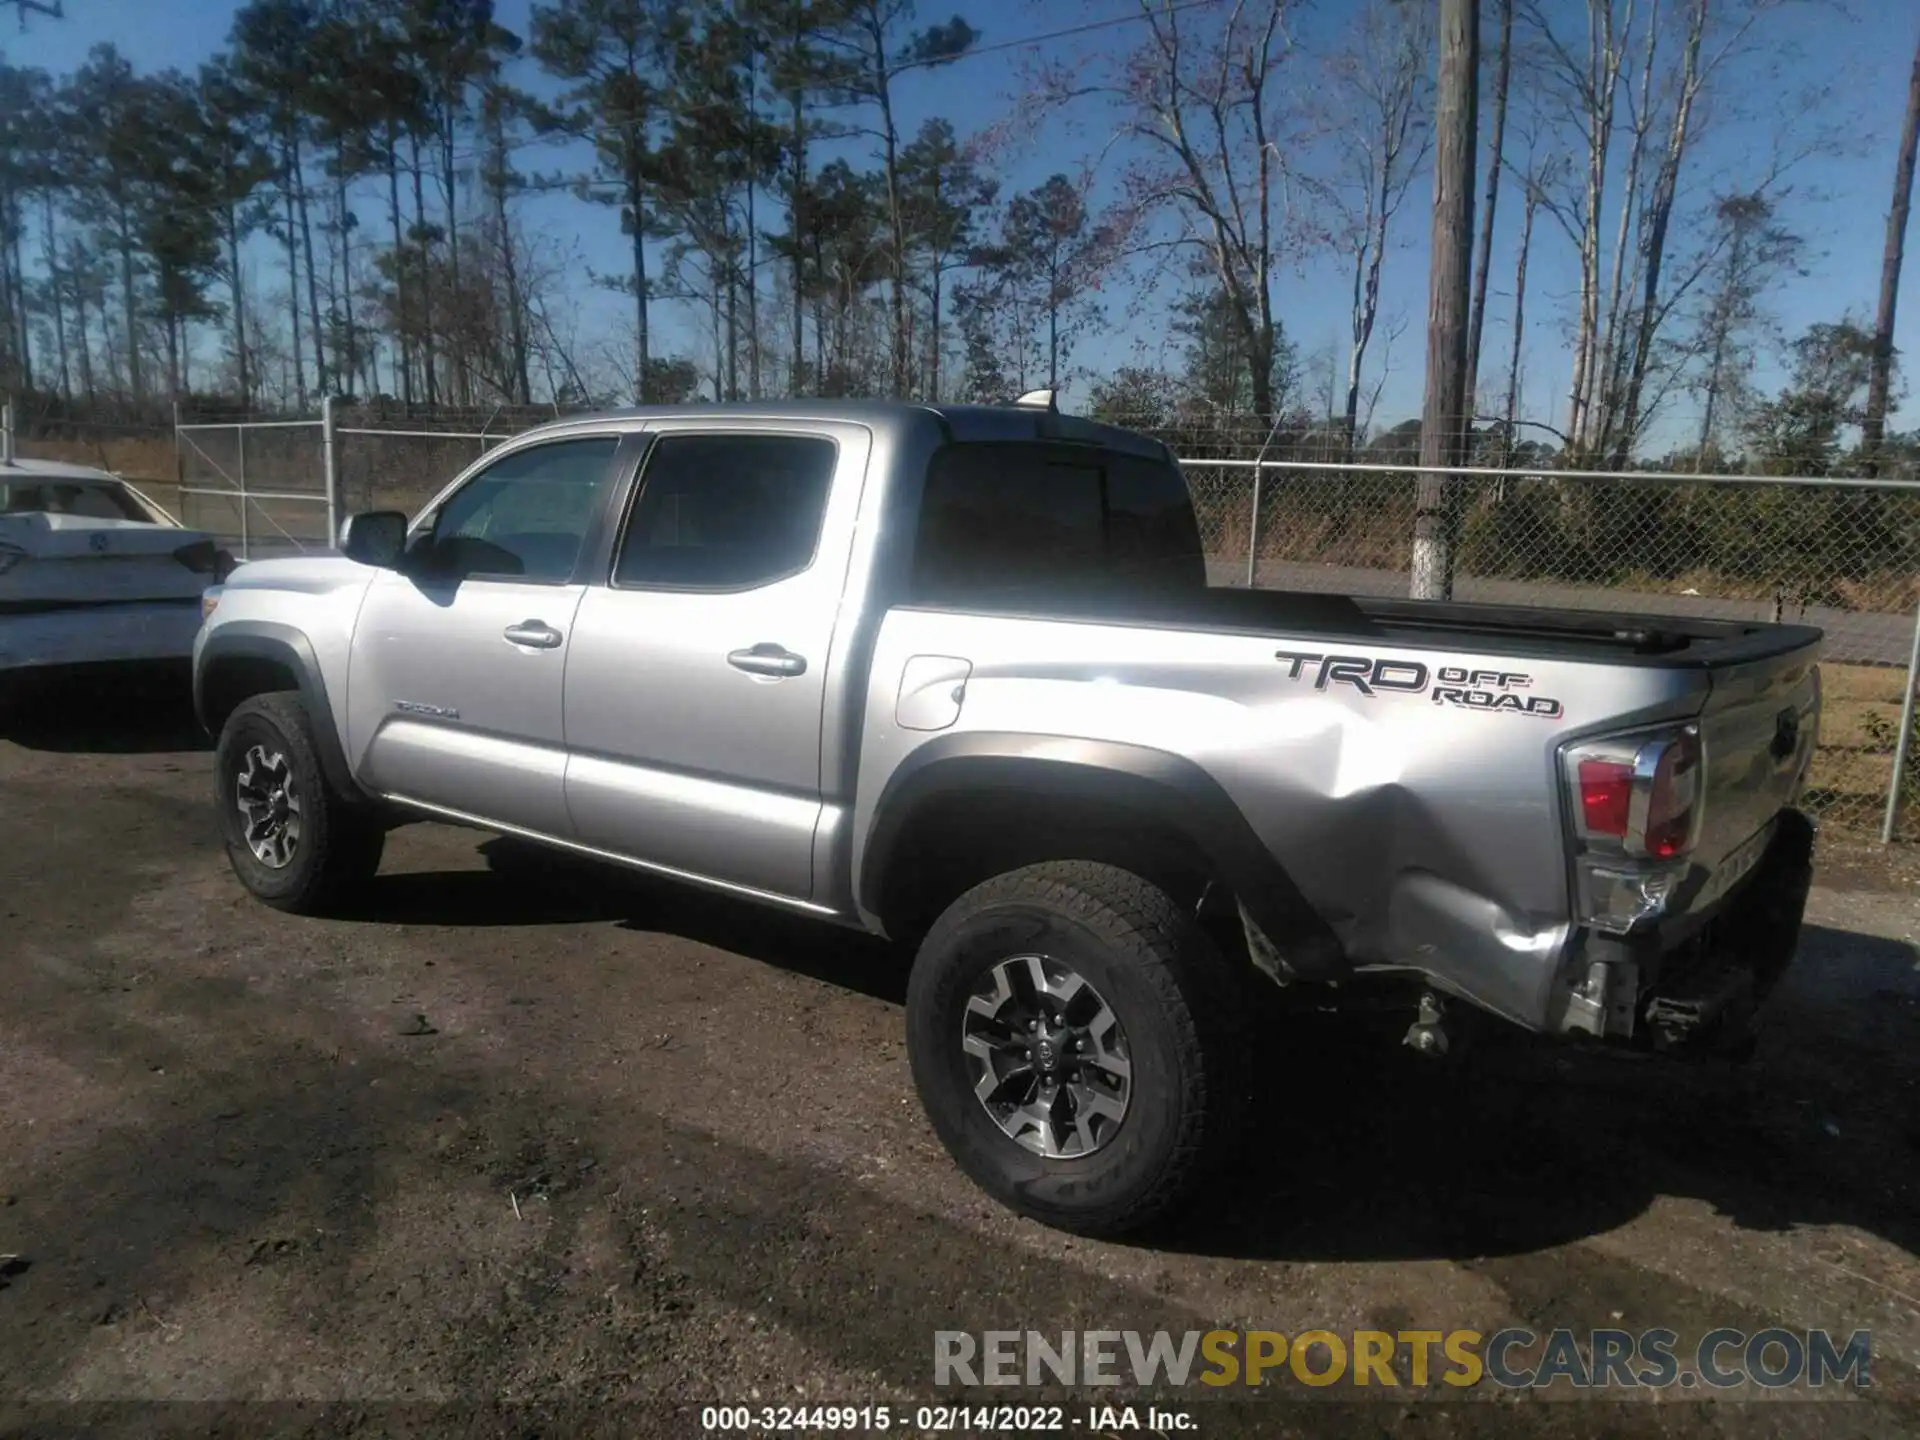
column 29, row 168
column 612, row 56
column 454, row 45
column 273, row 45
column 710, row 166
column 238, row 166
column 1052, row 262
column 944, row 197
column 108, row 171
column 502, row 107
column 878, row 47
column 176, row 215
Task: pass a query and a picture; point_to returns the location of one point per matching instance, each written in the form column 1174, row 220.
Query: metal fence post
column 331, row 471
column 1253, row 528
column 1905, row 739
column 240, row 470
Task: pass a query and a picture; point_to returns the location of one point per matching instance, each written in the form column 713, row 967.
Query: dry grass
column 143, row 459
column 1860, row 716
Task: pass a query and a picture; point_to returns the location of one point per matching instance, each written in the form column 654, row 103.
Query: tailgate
column 1758, row 732
column 1668, row 819
column 54, row 561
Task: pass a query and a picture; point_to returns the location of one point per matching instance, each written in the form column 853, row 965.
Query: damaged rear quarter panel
column 1412, row 794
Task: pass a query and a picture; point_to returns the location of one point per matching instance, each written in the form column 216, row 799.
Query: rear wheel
column 294, row 841
column 1069, row 1027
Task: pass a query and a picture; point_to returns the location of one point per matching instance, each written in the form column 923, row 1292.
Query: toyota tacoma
column 954, row 675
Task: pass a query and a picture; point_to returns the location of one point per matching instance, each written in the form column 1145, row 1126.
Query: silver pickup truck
column 954, row 675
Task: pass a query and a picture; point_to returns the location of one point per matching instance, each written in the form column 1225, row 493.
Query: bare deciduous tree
column 1201, row 98
column 1532, row 182
column 1634, row 93
column 1378, row 115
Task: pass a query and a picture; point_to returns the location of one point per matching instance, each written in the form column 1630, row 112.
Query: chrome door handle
column 537, row 633
column 767, row 659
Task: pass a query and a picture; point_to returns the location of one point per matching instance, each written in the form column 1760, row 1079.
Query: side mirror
column 376, row 537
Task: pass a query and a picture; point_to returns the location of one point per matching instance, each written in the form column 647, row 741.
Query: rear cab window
column 1018, row 525
column 92, row 500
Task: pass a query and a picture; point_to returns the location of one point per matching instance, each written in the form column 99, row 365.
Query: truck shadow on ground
column 131, row 710
column 529, row 884
column 1359, row 1149
column 1363, row 1150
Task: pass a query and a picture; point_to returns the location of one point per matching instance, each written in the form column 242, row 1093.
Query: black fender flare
column 1168, row 788
column 288, row 647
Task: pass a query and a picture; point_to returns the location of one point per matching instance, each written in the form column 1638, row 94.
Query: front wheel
column 1069, row 1028
column 292, row 840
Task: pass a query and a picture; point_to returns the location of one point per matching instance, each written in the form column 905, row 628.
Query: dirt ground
column 586, row 1151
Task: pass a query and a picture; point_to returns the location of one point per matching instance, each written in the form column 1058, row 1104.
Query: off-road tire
column 1176, row 999
column 339, row 843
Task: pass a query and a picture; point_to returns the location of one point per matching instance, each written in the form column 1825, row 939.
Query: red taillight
column 199, row 556
column 1606, row 797
column 1670, row 803
column 1640, row 795
column 203, row 557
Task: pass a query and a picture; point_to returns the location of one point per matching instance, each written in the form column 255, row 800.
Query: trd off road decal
column 1448, row 685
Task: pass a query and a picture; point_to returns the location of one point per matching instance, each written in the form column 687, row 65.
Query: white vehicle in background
column 93, row 573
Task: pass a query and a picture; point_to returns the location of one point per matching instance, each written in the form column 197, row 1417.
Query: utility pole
column 1444, row 422
column 1880, row 376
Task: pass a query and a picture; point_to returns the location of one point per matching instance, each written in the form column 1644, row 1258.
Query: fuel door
column 932, row 689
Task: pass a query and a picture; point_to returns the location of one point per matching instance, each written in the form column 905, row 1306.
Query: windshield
column 91, row 499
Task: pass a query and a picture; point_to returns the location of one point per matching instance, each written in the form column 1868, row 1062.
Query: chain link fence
column 1843, row 555
column 261, row 486
column 386, row 459
column 276, row 487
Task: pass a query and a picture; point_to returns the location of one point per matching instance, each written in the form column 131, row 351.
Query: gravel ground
column 528, row 1134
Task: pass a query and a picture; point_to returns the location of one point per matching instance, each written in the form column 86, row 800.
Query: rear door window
column 726, row 512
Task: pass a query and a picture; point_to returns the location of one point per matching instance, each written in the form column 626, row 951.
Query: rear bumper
column 1696, row 986
column 98, row 634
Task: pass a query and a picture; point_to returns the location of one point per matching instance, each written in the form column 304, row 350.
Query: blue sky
column 1857, row 59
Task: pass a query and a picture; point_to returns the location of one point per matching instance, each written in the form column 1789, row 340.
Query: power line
column 1071, row 30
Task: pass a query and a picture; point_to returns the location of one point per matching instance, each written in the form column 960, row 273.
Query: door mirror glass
column 376, row 537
